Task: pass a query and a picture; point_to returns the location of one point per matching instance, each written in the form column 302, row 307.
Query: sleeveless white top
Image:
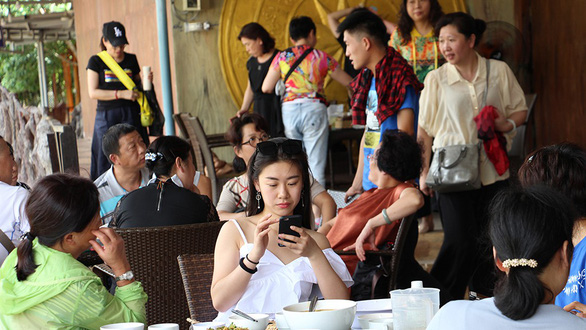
column 276, row 285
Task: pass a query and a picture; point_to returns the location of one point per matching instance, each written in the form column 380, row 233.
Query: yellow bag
column 146, row 113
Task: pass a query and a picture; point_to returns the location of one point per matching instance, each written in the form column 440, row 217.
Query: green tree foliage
column 19, row 71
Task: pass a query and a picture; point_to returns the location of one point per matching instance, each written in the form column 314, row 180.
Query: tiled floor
column 428, row 244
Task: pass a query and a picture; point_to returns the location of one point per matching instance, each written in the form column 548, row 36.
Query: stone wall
column 26, row 129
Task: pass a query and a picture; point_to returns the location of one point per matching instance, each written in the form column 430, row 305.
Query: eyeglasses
column 371, row 157
column 253, row 141
column 270, row 148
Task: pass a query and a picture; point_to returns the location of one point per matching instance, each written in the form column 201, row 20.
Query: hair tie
column 510, row 263
column 28, row 236
column 151, row 156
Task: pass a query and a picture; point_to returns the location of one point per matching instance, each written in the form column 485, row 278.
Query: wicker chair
column 152, row 253
column 202, row 144
column 390, row 259
column 196, row 272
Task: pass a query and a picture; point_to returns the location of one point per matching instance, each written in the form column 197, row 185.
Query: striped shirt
column 111, row 192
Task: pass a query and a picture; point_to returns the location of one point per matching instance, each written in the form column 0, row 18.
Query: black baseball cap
column 115, row 33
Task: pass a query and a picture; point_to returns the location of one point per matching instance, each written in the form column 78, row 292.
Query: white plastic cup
column 125, row 326
column 414, row 308
column 146, row 82
column 164, row 326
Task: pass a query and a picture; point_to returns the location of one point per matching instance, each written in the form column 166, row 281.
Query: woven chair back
column 390, row 259
column 196, row 271
column 152, row 253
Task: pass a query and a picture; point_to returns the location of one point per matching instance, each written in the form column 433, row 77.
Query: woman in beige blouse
column 451, row 98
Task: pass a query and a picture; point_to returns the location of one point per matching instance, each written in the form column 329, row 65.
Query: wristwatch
column 129, row 275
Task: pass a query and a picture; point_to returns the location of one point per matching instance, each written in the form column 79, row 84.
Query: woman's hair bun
column 480, row 27
column 151, row 157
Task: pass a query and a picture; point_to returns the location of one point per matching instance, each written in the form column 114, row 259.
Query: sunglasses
column 270, row 148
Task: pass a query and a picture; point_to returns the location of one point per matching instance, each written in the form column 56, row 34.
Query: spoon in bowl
column 312, row 304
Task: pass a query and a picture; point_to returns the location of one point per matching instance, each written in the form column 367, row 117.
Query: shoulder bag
column 147, row 115
column 280, row 87
column 457, row 167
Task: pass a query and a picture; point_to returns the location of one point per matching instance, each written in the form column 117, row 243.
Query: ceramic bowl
column 329, row 314
column 371, row 307
column 207, row 325
column 125, row 326
column 364, row 319
column 239, row 321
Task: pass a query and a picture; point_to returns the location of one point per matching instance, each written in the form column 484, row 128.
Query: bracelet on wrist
column 252, row 262
column 512, row 123
column 386, row 217
column 116, row 94
column 246, row 269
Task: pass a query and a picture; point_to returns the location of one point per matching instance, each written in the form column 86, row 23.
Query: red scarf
column 495, row 144
column 393, row 75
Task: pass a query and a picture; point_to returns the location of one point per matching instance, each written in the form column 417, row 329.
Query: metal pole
column 165, row 66
column 42, row 73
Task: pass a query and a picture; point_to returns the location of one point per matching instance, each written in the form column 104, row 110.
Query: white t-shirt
column 483, row 314
column 13, row 221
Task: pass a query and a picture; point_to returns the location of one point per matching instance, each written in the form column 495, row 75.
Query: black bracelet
column 252, row 262
column 246, row 269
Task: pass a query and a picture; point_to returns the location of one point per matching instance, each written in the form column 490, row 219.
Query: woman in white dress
column 251, row 272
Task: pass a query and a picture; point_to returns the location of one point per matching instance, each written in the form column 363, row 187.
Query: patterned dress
column 421, row 52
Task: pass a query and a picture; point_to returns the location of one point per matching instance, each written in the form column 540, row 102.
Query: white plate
column 374, row 305
column 370, row 307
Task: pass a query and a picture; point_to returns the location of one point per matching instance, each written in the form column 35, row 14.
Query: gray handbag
column 457, row 167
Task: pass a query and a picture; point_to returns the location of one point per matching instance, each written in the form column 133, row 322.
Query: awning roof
column 33, row 28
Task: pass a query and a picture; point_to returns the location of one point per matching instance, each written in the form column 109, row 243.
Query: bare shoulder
column 230, row 233
column 319, row 238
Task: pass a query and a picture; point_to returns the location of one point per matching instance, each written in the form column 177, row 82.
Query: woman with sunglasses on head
column 171, row 196
column 244, row 134
column 252, row 272
column 43, row 286
column 531, row 235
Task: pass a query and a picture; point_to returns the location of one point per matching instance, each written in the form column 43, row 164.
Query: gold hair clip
column 509, row 263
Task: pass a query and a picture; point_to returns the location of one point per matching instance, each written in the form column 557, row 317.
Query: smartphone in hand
column 285, row 224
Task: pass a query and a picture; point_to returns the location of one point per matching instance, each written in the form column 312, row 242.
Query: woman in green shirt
column 42, row 285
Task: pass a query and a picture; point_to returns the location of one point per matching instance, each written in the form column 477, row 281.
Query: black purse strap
column 297, row 62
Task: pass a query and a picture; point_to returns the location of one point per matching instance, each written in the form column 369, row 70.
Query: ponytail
column 59, row 204
column 26, row 263
column 519, row 294
column 527, row 228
